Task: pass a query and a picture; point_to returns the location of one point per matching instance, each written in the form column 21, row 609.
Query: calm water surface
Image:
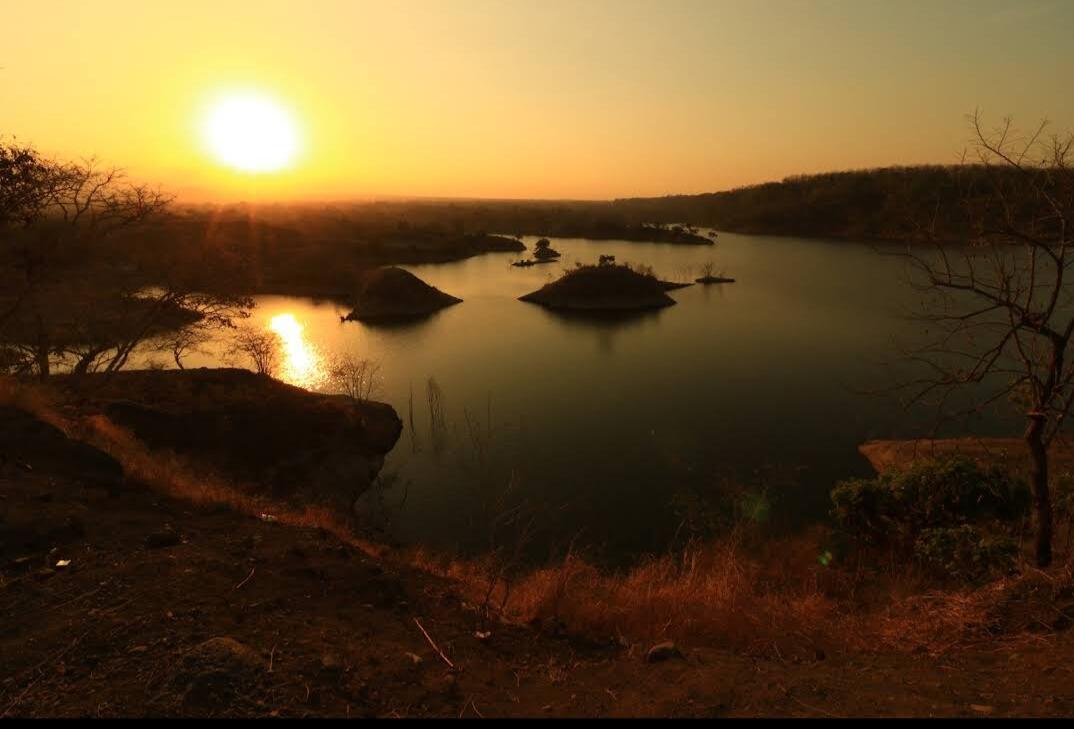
column 598, row 428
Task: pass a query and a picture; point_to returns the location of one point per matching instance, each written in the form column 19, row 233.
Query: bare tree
column 183, row 342
column 259, row 347
column 356, row 378
column 998, row 305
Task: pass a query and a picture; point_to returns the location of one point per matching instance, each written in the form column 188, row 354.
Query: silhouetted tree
column 998, row 306
column 356, row 378
column 260, row 347
column 65, row 293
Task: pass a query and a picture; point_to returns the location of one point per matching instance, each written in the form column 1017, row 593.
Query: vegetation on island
column 604, row 287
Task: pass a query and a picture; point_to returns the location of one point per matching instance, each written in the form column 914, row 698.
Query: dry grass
column 176, row 477
column 1026, row 606
column 710, row 594
column 31, row 397
column 775, row 601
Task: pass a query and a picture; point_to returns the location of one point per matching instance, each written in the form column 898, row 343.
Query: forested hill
column 890, row 203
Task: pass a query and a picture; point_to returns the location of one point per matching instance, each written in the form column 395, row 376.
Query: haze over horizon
column 596, row 100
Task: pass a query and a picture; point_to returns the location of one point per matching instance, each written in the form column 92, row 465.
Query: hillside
column 891, row 203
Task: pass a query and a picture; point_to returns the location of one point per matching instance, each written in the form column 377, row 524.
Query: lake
column 613, row 433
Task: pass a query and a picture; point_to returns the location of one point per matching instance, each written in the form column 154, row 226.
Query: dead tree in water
column 997, row 306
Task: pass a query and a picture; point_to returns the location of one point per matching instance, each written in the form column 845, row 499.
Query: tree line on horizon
column 879, row 204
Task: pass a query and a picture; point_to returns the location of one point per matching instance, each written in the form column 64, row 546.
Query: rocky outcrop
column 393, row 293
column 254, row 431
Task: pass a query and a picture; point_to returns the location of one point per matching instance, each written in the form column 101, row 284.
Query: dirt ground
column 170, row 610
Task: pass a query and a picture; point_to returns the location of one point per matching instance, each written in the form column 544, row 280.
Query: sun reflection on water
column 302, row 364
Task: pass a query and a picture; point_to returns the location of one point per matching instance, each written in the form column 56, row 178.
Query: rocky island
column 606, row 287
column 392, row 293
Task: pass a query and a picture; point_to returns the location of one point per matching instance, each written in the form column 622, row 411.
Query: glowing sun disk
column 251, row 133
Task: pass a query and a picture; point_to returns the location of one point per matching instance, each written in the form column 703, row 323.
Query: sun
column 251, row 132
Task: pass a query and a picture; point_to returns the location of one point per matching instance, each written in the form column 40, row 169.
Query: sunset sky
column 548, row 98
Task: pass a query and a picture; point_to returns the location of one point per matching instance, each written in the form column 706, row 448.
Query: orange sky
column 551, row 99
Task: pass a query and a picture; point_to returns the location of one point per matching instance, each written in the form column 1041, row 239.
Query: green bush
column 966, row 553
column 933, row 494
column 938, row 511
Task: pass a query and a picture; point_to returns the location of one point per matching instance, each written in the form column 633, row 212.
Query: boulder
column 663, row 652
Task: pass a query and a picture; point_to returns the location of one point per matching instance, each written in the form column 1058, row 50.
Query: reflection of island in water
column 301, row 363
column 607, row 326
column 604, row 319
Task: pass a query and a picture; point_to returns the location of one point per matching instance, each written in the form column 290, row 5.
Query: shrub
column 966, row 553
column 937, row 511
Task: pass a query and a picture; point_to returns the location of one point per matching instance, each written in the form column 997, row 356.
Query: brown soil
column 166, row 609
column 120, row 601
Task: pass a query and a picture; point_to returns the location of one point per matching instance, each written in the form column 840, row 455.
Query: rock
column 663, row 652
column 331, row 664
column 161, row 539
column 414, row 658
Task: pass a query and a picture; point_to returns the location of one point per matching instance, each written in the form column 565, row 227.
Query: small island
column 606, row 287
column 393, row 293
column 709, row 275
column 543, row 250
